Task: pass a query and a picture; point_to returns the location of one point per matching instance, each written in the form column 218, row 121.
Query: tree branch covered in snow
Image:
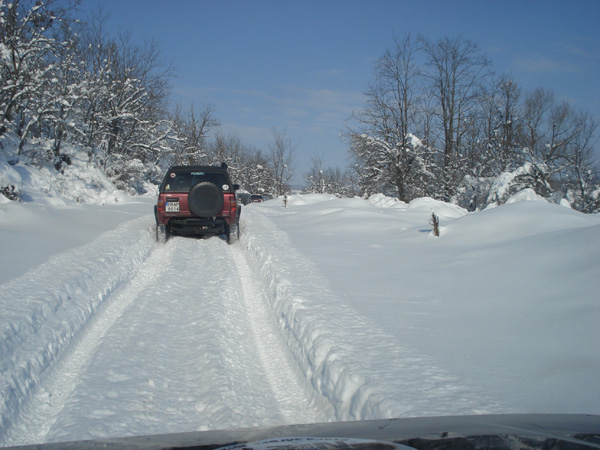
column 437, row 123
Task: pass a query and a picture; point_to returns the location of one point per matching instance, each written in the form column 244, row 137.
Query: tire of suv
column 162, row 233
column 232, row 233
column 205, row 199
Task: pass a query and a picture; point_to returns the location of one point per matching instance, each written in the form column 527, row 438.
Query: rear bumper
column 195, row 226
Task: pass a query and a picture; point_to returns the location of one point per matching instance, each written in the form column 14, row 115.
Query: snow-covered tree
column 580, row 181
column 390, row 167
column 27, row 66
column 254, row 172
column 124, row 107
column 67, row 94
column 327, row 180
column 315, row 177
column 481, row 139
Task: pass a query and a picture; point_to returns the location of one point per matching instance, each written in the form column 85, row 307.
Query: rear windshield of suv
column 184, row 181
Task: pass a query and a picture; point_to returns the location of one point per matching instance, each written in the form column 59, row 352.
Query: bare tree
column 456, row 68
column 281, row 161
column 496, row 131
column 385, row 144
column 537, row 108
column 510, row 95
column 398, row 77
column 189, row 134
column 538, row 138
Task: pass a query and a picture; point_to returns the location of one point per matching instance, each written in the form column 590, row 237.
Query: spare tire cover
column 205, row 199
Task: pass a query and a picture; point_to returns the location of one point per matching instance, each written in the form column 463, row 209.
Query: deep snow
column 329, row 309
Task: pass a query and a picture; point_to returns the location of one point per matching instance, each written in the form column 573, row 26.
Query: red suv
column 197, row 201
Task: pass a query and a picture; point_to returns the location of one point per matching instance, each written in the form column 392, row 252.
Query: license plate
column 172, row 207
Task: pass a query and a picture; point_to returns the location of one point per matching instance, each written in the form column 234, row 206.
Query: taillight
column 161, row 205
column 232, row 205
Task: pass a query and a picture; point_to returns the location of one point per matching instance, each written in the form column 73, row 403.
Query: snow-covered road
column 124, row 336
column 304, row 320
column 129, row 335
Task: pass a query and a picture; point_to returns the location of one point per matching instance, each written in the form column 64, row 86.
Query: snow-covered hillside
column 327, row 310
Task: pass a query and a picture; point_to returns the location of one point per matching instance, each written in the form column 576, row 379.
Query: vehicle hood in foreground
column 510, row 431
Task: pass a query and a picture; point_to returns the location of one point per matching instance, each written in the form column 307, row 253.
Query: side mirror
column 236, row 187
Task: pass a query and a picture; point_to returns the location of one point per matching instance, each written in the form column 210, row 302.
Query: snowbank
column 383, row 201
column 78, row 183
column 37, row 325
column 526, row 195
column 317, row 327
column 308, row 199
column 362, row 371
column 440, row 208
column 501, row 302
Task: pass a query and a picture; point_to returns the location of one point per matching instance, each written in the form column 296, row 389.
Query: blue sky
column 303, row 66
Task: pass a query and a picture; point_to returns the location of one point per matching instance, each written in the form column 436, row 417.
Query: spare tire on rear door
column 205, row 199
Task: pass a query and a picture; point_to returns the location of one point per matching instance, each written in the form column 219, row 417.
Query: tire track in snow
column 237, row 381
column 41, row 409
column 298, row 402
